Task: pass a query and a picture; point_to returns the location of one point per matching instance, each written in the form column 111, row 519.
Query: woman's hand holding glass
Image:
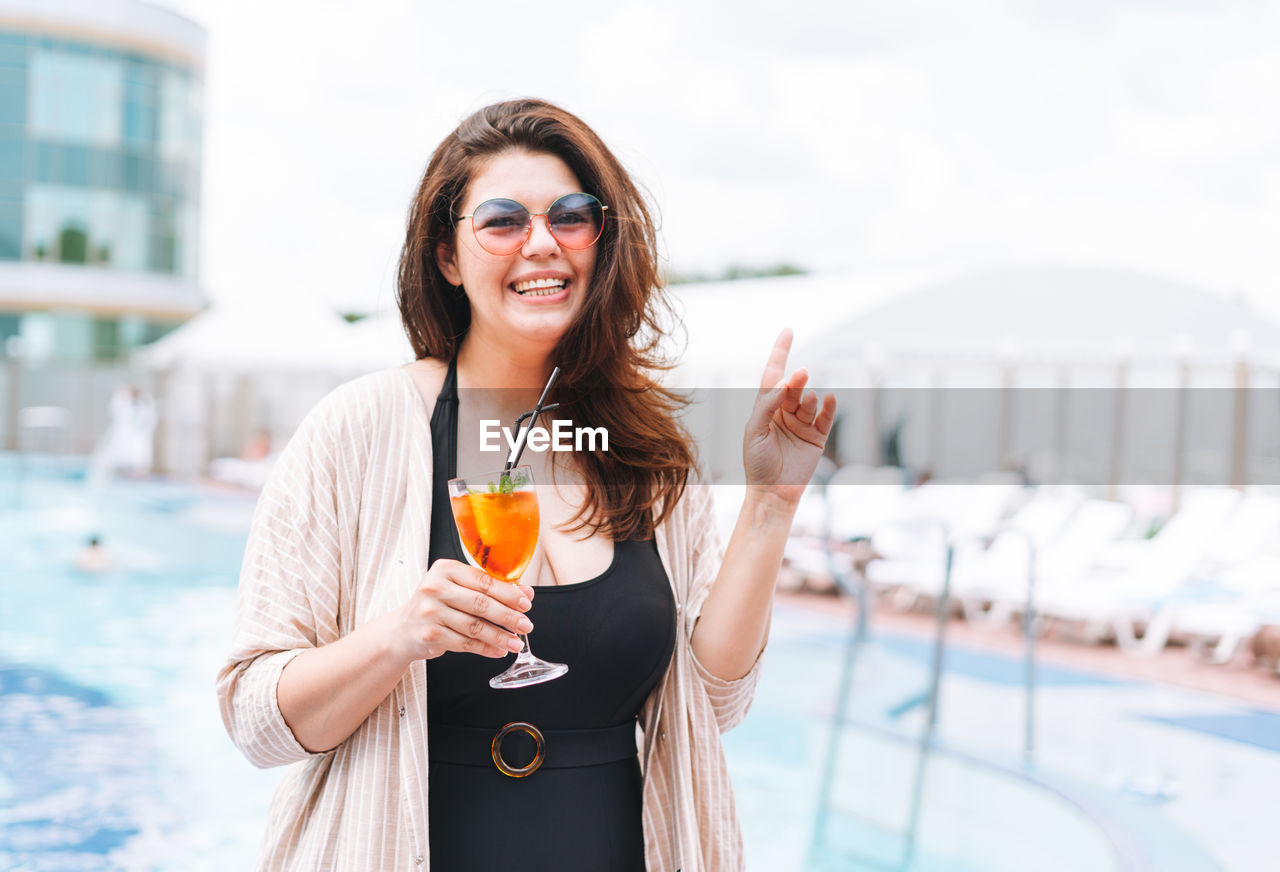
column 459, row 608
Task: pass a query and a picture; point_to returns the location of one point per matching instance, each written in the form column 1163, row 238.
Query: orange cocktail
column 499, row 530
column 497, row 518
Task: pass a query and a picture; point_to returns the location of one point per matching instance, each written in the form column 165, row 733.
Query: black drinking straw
column 522, row 439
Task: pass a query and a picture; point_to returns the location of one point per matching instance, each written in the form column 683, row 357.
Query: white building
column 100, row 156
column 100, row 167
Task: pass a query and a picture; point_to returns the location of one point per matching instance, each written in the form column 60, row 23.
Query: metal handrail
column 860, row 634
column 844, row 695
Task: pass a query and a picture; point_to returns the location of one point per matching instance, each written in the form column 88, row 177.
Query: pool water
column 113, row 755
column 1126, row 775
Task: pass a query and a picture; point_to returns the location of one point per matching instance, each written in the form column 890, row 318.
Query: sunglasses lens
column 576, row 220
column 500, row 225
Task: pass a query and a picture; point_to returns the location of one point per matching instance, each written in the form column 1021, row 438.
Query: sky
column 840, row 136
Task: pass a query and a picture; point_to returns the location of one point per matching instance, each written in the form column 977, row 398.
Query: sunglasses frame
column 528, row 227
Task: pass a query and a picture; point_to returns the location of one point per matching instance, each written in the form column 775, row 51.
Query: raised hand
column 788, row 428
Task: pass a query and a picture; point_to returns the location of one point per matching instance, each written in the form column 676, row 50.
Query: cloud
column 830, row 134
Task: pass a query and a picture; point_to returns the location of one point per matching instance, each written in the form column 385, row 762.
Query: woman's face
column 506, row 307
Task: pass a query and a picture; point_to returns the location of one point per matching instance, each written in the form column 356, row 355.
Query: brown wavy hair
column 606, row 356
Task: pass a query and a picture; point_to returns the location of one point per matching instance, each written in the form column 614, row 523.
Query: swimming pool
column 1110, row 787
column 113, row 756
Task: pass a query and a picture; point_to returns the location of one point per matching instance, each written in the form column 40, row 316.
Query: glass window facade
column 100, row 152
column 80, row 336
column 10, row 227
column 84, row 225
column 75, row 97
column 179, row 122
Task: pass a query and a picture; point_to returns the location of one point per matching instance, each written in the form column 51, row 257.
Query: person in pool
column 364, row 641
column 94, row 558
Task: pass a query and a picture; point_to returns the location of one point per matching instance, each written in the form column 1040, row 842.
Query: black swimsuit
column 616, row 632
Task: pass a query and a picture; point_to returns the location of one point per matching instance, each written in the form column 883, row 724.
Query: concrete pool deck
column 1177, row 665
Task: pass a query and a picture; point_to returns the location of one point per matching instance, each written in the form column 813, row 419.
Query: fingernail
column 524, row 625
column 515, row 644
column 524, row 605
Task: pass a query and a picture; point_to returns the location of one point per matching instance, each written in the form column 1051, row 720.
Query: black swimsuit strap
column 444, row 426
column 444, row 466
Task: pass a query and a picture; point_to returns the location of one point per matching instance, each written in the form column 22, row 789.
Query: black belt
column 552, row 749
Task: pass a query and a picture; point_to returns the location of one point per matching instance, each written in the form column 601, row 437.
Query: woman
column 359, row 624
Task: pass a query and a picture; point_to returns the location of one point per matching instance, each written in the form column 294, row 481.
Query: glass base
column 527, row 670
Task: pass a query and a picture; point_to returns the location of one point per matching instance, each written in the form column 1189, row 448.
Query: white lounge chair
column 1221, row 624
column 1237, row 588
column 858, row 510
column 855, row 501
column 1130, row 581
column 911, row 548
column 1000, row 571
column 1093, row 526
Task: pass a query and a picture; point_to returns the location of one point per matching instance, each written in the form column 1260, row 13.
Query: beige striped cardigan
column 339, row 537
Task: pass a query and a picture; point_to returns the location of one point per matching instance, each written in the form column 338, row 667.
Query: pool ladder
column 820, row 856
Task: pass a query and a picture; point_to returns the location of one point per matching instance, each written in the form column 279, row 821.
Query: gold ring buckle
column 504, row 767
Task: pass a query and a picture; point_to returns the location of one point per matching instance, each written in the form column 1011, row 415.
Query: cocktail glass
column 497, row 518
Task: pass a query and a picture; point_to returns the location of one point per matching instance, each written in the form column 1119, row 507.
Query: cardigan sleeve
column 730, row 698
column 291, row 579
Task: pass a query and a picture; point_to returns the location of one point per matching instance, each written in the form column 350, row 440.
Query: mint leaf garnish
column 509, row 482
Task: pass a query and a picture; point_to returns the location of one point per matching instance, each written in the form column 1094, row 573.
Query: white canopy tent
column 261, row 336
column 243, row 370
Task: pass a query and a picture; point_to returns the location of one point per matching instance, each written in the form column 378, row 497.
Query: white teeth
column 539, row 287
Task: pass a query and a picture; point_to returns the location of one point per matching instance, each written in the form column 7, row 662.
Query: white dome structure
column 1040, row 313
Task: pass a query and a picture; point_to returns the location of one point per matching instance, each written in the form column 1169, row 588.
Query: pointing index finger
column 777, row 365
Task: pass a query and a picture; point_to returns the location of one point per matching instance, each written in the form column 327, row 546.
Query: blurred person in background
column 94, row 557
column 128, row 444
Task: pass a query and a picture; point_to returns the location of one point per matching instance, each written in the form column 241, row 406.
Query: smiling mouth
column 539, row 287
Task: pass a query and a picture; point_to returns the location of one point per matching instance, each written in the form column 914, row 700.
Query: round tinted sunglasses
column 502, row 226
